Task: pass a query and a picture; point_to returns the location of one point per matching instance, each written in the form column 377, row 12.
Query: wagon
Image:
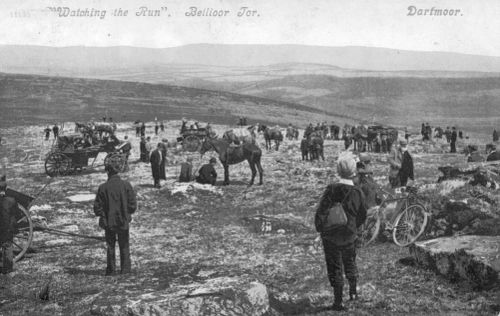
column 25, row 227
column 192, row 139
column 71, row 154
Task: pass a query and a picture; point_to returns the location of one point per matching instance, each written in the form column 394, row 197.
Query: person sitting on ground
column 474, row 155
column 186, row 170
column 207, row 173
column 493, row 155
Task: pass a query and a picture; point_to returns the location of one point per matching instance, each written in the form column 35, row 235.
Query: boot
column 353, row 294
column 337, row 304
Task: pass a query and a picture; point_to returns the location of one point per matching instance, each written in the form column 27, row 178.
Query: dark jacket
column 407, row 166
column 454, row 136
column 155, row 161
column 8, row 212
column 207, row 174
column 370, row 190
column 493, row 156
column 115, row 200
column 354, row 207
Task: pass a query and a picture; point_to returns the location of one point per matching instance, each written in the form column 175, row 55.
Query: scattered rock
column 82, row 197
column 472, row 258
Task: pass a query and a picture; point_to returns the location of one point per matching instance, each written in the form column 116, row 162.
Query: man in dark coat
column 453, row 140
column 157, row 127
column 55, row 130
column 114, row 203
column 162, row 126
column 304, row 148
column 406, row 171
column 143, row 129
column 142, row 146
column 47, row 133
column 163, row 149
column 155, row 160
column 8, row 211
column 207, row 173
column 339, row 243
column 495, row 135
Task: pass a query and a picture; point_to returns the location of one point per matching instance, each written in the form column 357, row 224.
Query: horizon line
column 253, row 44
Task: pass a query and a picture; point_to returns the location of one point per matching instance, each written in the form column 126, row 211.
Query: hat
column 213, row 160
column 346, row 167
column 403, row 142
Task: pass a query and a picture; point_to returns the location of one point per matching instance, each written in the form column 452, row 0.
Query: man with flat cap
column 114, row 203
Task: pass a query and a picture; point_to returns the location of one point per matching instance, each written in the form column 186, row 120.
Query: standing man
column 339, row 241
column 163, row 149
column 47, row 133
column 143, row 129
column 365, row 181
column 395, row 161
column 8, row 211
column 406, row 171
column 155, row 160
column 495, row 135
column 55, row 130
column 114, row 203
column 207, row 173
column 142, row 146
column 453, row 140
column 162, row 126
column 447, row 134
column 156, row 127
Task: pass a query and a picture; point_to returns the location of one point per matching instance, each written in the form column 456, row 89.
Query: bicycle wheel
column 370, row 230
column 409, row 225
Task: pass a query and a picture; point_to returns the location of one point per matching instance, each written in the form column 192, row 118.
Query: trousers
column 123, row 243
column 340, row 260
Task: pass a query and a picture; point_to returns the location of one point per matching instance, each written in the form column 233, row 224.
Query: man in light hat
column 114, row 203
column 8, row 211
column 339, row 243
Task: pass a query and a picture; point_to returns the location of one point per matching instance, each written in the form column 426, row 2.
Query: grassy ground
column 182, row 238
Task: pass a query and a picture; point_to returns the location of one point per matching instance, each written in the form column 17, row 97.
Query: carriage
column 72, row 153
column 191, row 139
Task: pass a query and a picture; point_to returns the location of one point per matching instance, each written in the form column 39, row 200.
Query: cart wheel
column 409, row 225
column 370, row 229
column 191, row 143
column 24, row 234
column 57, row 164
column 116, row 159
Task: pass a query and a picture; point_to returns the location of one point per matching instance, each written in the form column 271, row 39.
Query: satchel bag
column 332, row 218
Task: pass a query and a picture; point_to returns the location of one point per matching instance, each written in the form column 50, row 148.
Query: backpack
column 332, row 218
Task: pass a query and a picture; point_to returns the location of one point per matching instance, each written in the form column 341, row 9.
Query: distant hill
column 99, row 60
column 34, row 99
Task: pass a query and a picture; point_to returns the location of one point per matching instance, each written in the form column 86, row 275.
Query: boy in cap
column 114, row 203
column 339, row 243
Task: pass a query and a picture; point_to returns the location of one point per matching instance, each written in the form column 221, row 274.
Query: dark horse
column 229, row 155
column 271, row 134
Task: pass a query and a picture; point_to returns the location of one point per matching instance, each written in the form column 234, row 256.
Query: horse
column 271, row 134
column 239, row 135
column 232, row 155
column 315, row 149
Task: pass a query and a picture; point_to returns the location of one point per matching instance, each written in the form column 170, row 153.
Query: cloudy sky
column 474, row 29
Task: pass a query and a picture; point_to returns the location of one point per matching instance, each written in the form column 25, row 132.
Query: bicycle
column 407, row 224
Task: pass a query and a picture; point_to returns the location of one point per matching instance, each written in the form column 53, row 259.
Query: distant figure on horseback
column 271, row 134
column 232, row 155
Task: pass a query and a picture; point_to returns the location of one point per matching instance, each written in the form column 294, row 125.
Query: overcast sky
column 385, row 23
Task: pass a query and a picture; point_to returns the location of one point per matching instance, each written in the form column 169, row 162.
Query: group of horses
column 363, row 138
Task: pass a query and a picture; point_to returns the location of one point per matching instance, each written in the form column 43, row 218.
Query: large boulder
column 218, row 296
column 472, row 258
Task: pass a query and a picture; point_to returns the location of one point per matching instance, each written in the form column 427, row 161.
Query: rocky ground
column 227, row 249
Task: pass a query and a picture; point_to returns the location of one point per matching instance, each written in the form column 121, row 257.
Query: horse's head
column 206, row 146
column 261, row 128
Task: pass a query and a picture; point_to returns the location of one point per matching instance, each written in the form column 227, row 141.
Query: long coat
column 163, row 149
column 155, row 160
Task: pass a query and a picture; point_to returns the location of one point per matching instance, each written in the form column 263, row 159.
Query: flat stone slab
column 82, row 197
column 472, row 258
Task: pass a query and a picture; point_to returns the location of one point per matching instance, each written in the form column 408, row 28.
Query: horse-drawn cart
column 192, row 139
column 72, row 153
column 25, row 226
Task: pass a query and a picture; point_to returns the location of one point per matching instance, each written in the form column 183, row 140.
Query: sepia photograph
column 258, row 157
